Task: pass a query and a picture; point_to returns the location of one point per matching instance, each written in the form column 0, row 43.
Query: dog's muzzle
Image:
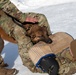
column 48, row 40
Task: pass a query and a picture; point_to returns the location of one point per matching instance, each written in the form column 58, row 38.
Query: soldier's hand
column 31, row 19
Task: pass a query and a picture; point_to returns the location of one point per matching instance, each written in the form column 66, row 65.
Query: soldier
column 18, row 33
column 67, row 66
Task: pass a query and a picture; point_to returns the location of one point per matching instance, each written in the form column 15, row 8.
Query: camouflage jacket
column 18, row 33
column 10, row 8
column 67, row 66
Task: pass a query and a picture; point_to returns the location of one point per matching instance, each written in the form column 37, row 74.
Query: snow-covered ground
column 61, row 16
column 30, row 5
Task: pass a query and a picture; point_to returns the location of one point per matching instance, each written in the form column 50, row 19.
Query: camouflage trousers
column 19, row 34
column 66, row 63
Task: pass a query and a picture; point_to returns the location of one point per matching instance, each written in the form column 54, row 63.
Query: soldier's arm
column 10, row 8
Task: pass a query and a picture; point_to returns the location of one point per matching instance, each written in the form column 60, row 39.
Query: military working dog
column 9, row 32
column 37, row 33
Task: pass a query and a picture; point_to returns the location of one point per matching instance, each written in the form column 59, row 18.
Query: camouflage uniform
column 66, row 63
column 8, row 7
column 24, row 42
column 18, row 33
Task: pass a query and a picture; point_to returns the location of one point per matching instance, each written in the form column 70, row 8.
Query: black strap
column 50, row 65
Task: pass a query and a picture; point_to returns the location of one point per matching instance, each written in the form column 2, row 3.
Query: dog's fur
column 37, row 33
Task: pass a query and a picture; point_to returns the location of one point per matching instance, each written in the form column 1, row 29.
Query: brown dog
column 37, row 33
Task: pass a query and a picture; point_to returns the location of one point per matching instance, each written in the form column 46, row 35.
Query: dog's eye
column 33, row 36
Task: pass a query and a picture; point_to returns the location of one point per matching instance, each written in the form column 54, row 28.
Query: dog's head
column 37, row 33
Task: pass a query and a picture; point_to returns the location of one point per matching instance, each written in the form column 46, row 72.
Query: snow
column 29, row 5
column 61, row 16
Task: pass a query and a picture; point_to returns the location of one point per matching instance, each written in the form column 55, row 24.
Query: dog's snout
column 49, row 41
